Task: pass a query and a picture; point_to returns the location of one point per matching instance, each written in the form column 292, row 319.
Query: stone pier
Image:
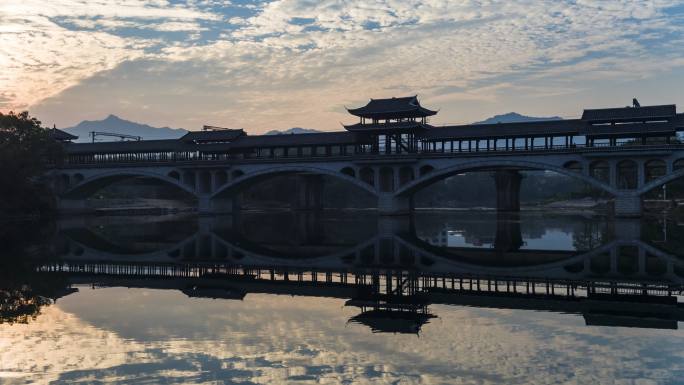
column 508, row 235
column 206, row 205
column 507, row 190
column 73, row 206
column 627, row 206
column 390, row 204
column 309, row 194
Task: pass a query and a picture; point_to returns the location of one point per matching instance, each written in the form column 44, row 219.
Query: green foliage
column 25, row 150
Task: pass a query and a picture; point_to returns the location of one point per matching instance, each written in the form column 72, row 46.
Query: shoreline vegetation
column 26, row 149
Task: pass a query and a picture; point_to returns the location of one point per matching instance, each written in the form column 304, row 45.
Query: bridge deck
column 79, row 157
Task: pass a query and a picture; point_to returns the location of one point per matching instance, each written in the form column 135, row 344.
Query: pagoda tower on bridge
column 391, row 125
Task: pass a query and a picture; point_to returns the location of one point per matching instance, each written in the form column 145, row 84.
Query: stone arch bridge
column 393, row 180
column 392, row 153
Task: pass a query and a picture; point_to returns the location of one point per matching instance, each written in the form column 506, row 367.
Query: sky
column 263, row 65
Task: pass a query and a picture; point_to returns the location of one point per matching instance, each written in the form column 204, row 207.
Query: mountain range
column 514, row 117
column 293, row 130
column 115, row 124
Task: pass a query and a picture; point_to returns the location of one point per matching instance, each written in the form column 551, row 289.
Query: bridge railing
column 332, row 152
column 429, row 282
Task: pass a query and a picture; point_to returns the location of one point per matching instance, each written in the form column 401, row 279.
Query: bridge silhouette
column 392, row 153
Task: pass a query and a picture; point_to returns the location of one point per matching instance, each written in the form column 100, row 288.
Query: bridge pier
column 389, row 204
column 628, row 229
column 390, row 226
column 627, row 206
column 310, row 229
column 508, row 235
column 507, row 190
column 309, row 194
column 72, row 206
column 206, row 205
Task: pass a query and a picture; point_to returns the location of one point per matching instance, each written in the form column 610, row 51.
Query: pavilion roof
column 392, row 108
column 310, row 139
column 607, row 115
column 506, row 130
column 386, row 321
column 60, row 135
column 213, row 135
column 629, row 130
column 390, row 126
column 125, row 146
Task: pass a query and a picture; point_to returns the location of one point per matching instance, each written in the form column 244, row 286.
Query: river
column 451, row 297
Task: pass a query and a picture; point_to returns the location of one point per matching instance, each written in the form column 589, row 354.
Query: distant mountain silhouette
column 293, row 130
column 514, row 117
column 114, row 124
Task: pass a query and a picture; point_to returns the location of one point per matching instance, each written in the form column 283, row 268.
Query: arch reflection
column 391, row 269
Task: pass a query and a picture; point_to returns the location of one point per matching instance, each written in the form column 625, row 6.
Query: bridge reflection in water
column 392, row 269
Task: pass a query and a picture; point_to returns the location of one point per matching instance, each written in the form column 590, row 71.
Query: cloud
column 46, row 47
column 276, row 339
column 286, row 62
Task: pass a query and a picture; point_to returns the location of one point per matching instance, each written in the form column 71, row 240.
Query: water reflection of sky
column 551, row 239
column 119, row 335
column 139, row 335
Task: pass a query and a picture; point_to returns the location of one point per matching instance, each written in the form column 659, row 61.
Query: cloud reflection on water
column 119, row 335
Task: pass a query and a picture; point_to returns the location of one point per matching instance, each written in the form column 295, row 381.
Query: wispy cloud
column 266, row 339
column 286, row 62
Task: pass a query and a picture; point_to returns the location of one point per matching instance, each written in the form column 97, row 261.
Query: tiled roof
column 630, row 113
column 223, row 135
column 58, row 134
column 505, row 130
column 392, row 108
column 392, row 126
column 322, row 138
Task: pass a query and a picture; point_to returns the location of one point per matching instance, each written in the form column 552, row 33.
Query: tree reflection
column 20, row 305
column 23, row 292
column 590, row 235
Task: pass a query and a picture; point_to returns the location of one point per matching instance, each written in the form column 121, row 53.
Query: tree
column 26, row 148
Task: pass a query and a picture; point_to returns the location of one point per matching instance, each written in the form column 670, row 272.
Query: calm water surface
column 261, row 299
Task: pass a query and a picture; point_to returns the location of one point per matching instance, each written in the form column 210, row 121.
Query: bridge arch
column 348, row 171
column 678, row 165
column 406, row 175
column 654, row 169
column 439, row 174
column 367, row 175
column 236, row 174
column 627, row 172
column 425, row 170
column 574, row 166
column 661, row 181
column 256, row 176
column 90, row 185
column 600, row 170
